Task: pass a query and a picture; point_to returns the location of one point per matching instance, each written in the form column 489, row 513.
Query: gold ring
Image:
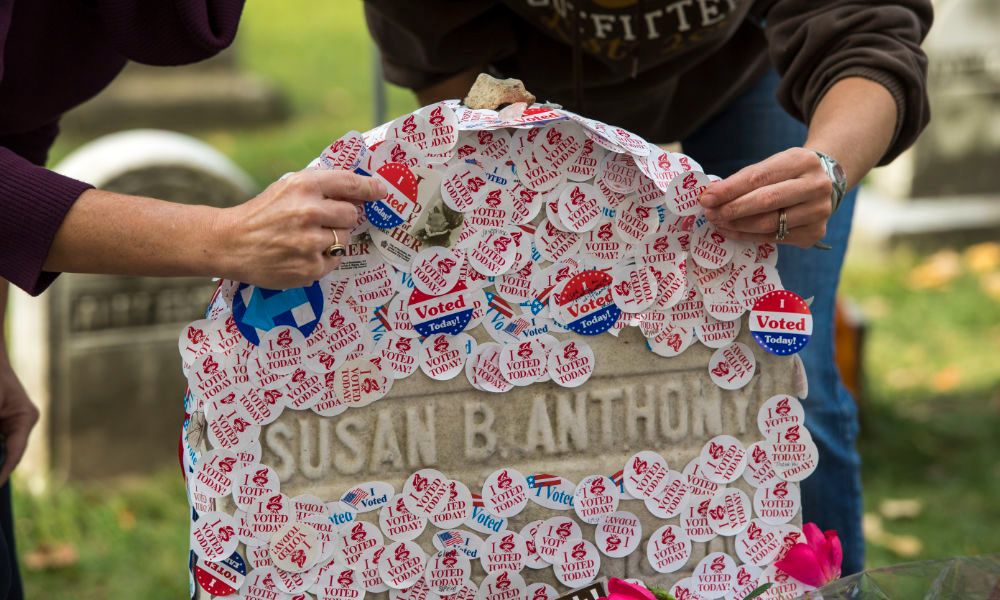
column 336, row 248
column 782, row 225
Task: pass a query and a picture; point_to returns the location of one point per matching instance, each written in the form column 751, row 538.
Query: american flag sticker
column 540, row 480
column 477, row 500
column 450, row 538
column 354, row 497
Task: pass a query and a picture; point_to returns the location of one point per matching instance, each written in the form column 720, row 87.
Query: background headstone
column 98, row 354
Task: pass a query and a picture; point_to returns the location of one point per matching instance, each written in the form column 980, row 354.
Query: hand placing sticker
column 747, row 205
column 278, row 239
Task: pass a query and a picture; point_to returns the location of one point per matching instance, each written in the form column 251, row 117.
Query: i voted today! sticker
column 781, row 322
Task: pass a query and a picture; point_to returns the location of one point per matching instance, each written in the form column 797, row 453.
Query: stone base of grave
column 634, row 401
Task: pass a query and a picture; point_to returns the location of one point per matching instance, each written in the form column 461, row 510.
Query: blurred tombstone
column 945, row 188
column 98, row 354
column 211, row 94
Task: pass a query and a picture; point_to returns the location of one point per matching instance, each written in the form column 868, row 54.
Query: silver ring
column 782, row 225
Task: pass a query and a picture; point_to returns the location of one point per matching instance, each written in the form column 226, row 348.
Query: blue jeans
column 749, row 130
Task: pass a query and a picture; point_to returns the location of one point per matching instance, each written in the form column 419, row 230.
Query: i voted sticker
column 585, row 303
column 401, row 200
column 524, row 363
column 213, row 536
column 448, row 313
column 729, row 511
column 443, row 357
column 402, row 565
column 571, row 363
column 504, row 551
column 447, row 572
column 502, row 585
column 759, row 472
column 645, row 474
column 579, row 207
column 781, row 322
column 618, row 534
column 295, row 547
column 505, row 492
column 714, row 575
column 457, row 508
column 759, row 544
column 778, row 503
column 732, row 367
column 778, row 412
column 398, row 523
column 668, row 549
column 435, row 270
column 668, row 502
column 684, row 191
column 426, row 492
column 579, row 565
column 595, row 497
column 694, row 519
column 723, row 459
column 221, row 578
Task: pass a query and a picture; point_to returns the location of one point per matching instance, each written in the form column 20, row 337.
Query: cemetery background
column 930, row 407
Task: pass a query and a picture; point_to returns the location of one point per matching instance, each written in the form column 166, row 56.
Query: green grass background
column 922, row 440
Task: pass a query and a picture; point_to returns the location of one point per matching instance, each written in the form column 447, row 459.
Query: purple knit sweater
column 54, row 55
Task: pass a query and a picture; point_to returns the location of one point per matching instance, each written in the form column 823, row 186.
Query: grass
column 931, row 412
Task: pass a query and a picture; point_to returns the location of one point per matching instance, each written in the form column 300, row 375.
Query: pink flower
column 816, row 562
column 619, row 589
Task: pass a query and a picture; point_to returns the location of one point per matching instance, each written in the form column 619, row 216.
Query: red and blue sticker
column 448, row 313
column 781, row 322
column 400, row 202
column 585, row 303
column 222, row 578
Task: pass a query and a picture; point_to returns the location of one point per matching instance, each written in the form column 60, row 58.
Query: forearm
column 854, row 123
column 116, row 234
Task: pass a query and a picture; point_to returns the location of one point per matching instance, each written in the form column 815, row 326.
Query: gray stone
column 99, row 354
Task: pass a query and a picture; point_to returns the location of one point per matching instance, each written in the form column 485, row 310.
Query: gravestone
column 212, row 94
column 340, row 435
column 944, row 189
column 98, row 354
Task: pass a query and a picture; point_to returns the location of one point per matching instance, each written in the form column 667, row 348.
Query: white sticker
column 684, row 191
column 595, row 497
column 400, row 356
column 694, row 519
column 668, row 549
column 443, row 356
column 356, row 542
column 635, row 288
column 579, row 207
column 636, row 223
column 777, row 504
column 571, row 363
column 747, row 580
column 553, row 534
column 528, row 533
column 435, row 270
column 339, row 581
column 714, row 575
column 723, row 459
column 710, row 248
column 618, row 172
column 213, row 536
column 698, row 483
column 668, row 502
column 457, row 508
column 729, row 511
column 460, row 186
column 555, row 245
column 715, row 334
column 402, row 565
column 505, row 493
column 253, row 483
column 759, row 544
column 645, row 474
column 215, row 473
column 778, row 412
column 398, row 523
column 447, row 572
column 502, row 586
column 524, row 363
column 759, row 472
column 579, row 565
column 295, row 547
column 426, row 492
column 504, row 551
column 793, row 452
column 732, row 367
column 618, row 534
column 465, row 542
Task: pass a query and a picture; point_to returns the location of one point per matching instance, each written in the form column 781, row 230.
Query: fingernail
column 708, row 200
column 379, row 189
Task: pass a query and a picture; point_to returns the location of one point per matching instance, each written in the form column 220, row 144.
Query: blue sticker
column 221, row 578
column 257, row 310
column 586, row 303
column 781, row 322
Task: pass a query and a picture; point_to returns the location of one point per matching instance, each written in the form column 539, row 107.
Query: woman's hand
column 278, row 239
column 17, row 416
column 745, row 206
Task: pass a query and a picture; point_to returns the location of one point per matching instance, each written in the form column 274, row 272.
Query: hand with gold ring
column 282, row 238
column 785, row 198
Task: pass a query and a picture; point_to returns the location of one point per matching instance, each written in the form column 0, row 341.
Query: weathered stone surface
column 99, row 354
column 634, row 401
column 492, row 93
